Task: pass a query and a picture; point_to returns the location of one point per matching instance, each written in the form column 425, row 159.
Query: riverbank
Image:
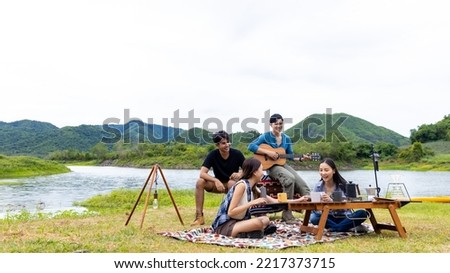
column 440, row 163
column 103, row 230
column 26, row 166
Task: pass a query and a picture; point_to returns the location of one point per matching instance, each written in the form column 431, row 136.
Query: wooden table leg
column 305, row 226
column 306, row 218
column 373, row 221
column 400, row 229
column 322, row 222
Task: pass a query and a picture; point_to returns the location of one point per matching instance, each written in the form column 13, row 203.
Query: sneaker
column 257, row 234
column 199, row 220
column 271, row 228
column 287, row 217
column 359, row 229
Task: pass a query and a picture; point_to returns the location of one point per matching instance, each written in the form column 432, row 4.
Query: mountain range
column 37, row 138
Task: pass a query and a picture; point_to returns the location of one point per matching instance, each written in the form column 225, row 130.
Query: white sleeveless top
column 243, row 201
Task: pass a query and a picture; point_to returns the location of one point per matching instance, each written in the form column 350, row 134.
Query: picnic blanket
column 286, row 236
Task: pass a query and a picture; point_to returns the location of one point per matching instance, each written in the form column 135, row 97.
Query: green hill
column 36, row 138
column 340, row 136
column 195, row 136
column 343, row 127
column 28, row 137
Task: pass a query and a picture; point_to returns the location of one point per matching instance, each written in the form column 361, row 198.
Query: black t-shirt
column 223, row 168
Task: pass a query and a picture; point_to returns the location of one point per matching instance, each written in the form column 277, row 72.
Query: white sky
column 85, row 61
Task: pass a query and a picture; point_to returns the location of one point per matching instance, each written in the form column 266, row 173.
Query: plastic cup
column 316, row 196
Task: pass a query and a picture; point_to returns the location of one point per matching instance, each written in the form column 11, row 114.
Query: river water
column 58, row 192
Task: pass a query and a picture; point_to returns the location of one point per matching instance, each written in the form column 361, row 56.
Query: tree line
column 184, row 155
column 432, row 132
column 190, row 155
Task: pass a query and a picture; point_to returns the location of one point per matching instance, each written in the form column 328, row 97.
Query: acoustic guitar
column 268, row 162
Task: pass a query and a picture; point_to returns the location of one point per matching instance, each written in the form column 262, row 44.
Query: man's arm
column 204, row 174
column 254, row 145
column 236, row 176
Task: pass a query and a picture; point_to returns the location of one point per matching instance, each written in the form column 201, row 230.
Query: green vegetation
column 341, row 127
column 103, row 230
column 34, row 138
column 432, row 132
column 26, row 166
column 438, row 147
column 348, row 140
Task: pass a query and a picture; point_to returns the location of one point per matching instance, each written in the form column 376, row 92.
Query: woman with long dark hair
column 332, row 181
column 233, row 218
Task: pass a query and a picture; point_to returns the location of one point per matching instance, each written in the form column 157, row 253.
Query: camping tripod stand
column 152, row 177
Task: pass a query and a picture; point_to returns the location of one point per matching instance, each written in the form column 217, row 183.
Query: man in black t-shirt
column 225, row 163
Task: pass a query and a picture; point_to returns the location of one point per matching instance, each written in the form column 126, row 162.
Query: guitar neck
column 268, row 162
column 282, row 154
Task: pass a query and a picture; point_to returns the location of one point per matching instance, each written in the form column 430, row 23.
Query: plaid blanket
column 286, row 236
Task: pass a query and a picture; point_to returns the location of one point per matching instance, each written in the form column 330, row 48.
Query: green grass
column 27, row 166
column 439, row 162
column 103, row 229
column 438, row 147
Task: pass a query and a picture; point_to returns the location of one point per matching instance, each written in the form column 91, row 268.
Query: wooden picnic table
column 325, row 207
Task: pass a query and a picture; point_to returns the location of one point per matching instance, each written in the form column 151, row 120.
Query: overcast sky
column 84, row 62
